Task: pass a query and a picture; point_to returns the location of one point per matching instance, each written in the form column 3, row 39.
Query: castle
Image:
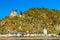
column 13, row 13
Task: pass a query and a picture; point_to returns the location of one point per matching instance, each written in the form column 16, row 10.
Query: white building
column 3, row 35
column 18, row 34
column 27, row 35
column 45, row 31
column 55, row 35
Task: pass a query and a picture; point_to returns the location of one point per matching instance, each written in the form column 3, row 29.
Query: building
column 13, row 13
column 45, row 31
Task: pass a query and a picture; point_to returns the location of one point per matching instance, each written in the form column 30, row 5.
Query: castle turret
column 45, row 31
column 13, row 13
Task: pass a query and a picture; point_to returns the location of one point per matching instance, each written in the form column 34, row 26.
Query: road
column 29, row 38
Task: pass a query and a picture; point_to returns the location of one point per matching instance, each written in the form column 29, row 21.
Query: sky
column 6, row 6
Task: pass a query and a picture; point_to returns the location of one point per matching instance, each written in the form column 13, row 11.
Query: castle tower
column 13, row 13
column 45, row 31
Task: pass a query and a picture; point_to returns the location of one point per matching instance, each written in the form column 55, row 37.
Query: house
column 3, row 35
column 18, row 34
column 55, row 35
column 9, row 35
column 34, row 34
column 27, row 35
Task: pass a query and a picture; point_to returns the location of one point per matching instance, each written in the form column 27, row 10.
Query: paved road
column 29, row 37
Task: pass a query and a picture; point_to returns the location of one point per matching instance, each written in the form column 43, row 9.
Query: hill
column 33, row 20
